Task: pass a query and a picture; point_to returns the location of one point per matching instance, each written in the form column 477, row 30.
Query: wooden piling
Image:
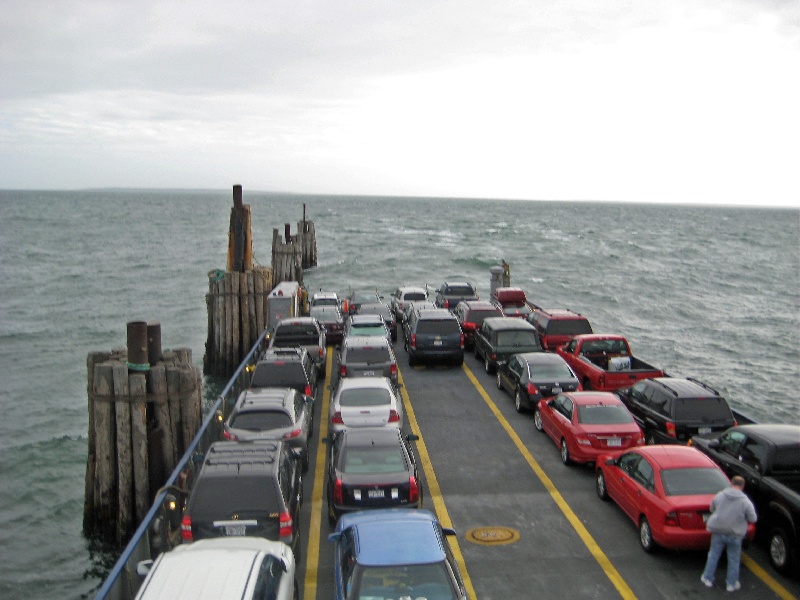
column 124, row 446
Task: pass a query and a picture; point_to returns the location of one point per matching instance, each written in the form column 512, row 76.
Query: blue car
column 394, row 553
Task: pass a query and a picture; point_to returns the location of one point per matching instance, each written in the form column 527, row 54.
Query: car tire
column 600, row 485
column 499, row 381
column 565, row 453
column 331, row 516
column 475, row 351
column 410, row 360
column 646, row 536
column 519, row 404
column 305, row 461
column 779, row 549
column 487, row 366
column 537, row 420
column 459, row 361
column 296, row 592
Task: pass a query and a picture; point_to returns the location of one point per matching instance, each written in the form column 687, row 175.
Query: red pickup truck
column 604, row 362
column 513, row 302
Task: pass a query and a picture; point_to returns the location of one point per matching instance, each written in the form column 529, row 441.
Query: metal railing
column 160, row 530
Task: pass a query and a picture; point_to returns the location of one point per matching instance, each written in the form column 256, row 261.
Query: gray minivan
column 367, row 356
column 434, row 334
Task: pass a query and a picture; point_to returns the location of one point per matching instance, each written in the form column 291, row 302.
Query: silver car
column 367, row 325
column 273, row 414
column 365, row 356
column 365, row 402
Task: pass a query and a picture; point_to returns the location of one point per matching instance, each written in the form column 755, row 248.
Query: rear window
column 787, row 458
column 517, row 338
column 277, row 374
column 603, row 415
column 477, row 316
column 438, row 327
column 459, row 290
column 365, row 397
column 551, row 372
column 220, row 497
column 702, row 409
column 692, row 482
column 411, row 296
column 568, row 327
column 262, row 420
column 375, row 459
column 300, row 330
column 368, row 329
column 371, row 355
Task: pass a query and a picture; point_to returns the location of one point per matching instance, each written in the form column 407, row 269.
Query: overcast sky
column 672, row 101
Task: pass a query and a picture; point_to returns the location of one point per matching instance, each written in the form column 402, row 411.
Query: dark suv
column 286, row 367
column 246, row 488
column 557, row 326
column 434, row 334
column 671, row 410
column 453, row 292
column 500, row 337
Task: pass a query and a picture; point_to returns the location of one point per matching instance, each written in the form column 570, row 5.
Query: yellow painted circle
column 493, row 536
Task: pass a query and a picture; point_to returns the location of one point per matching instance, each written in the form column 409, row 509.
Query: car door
column 509, row 375
column 621, row 484
column 639, row 489
column 562, row 420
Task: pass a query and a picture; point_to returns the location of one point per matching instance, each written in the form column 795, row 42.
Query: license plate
column 704, row 430
column 556, row 390
column 614, row 442
column 375, row 493
column 437, row 342
column 235, row 529
column 369, row 373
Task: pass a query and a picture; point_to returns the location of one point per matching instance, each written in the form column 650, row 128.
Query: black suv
column 286, row 367
column 434, row 334
column 500, row 337
column 453, row 292
column 671, row 410
column 246, row 488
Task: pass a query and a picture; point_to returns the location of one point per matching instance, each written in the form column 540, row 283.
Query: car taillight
column 447, row 303
column 338, row 494
column 394, row 416
column 321, row 352
column 671, row 519
column 413, row 342
column 292, row 434
column 413, row 489
column 671, row 429
column 307, row 390
column 393, row 371
column 286, row 525
column 186, row 529
column 531, row 389
column 468, row 326
column 735, row 423
column 462, row 341
column 228, row 435
column 337, row 418
column 342, row 371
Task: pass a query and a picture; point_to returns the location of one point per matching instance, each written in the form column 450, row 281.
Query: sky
column 648, row 101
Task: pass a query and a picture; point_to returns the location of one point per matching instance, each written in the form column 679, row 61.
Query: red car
column 587, row 424
column 666, row 490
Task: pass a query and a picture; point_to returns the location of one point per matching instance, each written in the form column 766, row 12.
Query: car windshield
column 693, row 481
column 601, row 414
column 370, row 355
column 374, row 459
column 556, row 371
column 365, row 397
column 702, row 409
column 262, row 420
column 429, row 581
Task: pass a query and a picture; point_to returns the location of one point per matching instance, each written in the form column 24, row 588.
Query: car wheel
column 499, row 381
column 475, row 351
column 600, row 485
column 537, row 420
column 305, row 461
column 565, row 453
column 779, row 549
column 410, row 360
column 487, row 366
column 518, row 403
column 646, row 536
column 296, row 592
column 331, row 516
column 459, row 361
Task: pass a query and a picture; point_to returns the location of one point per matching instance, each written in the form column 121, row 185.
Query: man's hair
column 737, row 481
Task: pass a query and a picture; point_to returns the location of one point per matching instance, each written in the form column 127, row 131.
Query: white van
column 219, row 568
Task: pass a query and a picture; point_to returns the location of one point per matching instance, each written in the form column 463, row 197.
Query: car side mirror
column 143, row 567
column 327, row 440
column 713, row 444
column 411, row 437
column 448, row 531
column 611, row 462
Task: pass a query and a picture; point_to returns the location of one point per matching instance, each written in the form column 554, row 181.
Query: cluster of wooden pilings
column 236, row 298
column 145, row 407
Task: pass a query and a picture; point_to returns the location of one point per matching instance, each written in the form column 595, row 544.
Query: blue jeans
column 732, row 545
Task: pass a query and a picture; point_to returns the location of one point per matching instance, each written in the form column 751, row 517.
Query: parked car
column 768, row 457
column 362, row 356
column 403, row 295
column 434, row 335
column 666, row 491
column 532, row 376
column 365, row 402
column 415, row 563
column 557, row 326
column 371, row 468
column 471, row 314
column 246, row 489
column 366, row 325
column 500, row 337
column 512, row 301
column 325, row 299
column 254, row 569
column 383, row 311
column 671, row 410
column 585, row 425
column 302, row 332
column 332, row 320
column 409, row 308
column 452, row 292
column 286, row 367
column 273, row 414
column 356, row 298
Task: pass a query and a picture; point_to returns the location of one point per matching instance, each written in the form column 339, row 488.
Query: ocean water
column 706, row 292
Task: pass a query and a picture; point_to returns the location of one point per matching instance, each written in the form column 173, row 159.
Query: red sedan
column 585, row 425
column 666, row 490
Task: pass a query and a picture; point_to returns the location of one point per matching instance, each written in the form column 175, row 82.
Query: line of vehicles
column 661, row 446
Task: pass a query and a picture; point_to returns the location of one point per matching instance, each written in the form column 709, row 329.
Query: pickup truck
column 302, row 332
column 604, row 362
column 768, row 457
column 513, row 302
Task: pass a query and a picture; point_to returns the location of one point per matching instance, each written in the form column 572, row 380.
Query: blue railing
column 158, row 531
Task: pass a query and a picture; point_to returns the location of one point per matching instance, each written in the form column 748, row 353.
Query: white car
column 220, row 568
column 402, row 296
column 365, row 402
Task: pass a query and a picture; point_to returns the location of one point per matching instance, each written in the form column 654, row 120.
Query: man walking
column 731, row 511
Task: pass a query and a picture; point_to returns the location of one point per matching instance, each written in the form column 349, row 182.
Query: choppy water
column 707, row 292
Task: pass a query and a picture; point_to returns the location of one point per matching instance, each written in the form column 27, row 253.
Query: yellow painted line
column 609, row 569
column 433, row 487
column 315, row 527
column 767, row 578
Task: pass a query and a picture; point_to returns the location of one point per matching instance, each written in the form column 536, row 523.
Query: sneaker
column 734, row 587
column 707, row 582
